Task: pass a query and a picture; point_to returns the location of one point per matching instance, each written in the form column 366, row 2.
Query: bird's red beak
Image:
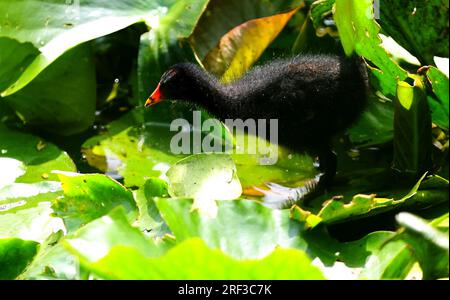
column 155, row 97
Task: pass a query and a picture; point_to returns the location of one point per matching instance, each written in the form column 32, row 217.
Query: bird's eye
column 168, row 75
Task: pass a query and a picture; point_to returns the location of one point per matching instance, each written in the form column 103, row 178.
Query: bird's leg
column 284, row 197
column 328, row 167
column 319, row 185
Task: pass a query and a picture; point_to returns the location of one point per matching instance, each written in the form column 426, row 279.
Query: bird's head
column 175, row 84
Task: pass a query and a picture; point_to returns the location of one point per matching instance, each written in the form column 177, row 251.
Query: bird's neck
column 211, row 95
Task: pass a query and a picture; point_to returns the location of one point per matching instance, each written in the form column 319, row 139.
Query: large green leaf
column 374, row 256
column 90, row 196
column 112, row 249
column 54, row 26
column 439, row 106
column 52, row 261
column 206, row 178
column 11, row 170
column 242, row 228
column 98, row 238
column 72, row 25
column 27, row 158
column 61, row 99
column 166, row 44
column 192, row 259
column 408, row 22
column 14, row 56
column 289, row 167
column 388, row 260
column 159, row 49
column 150, row 220
column 15, row 255
column 358, row 32
column 429, row 243
column 261, row 230
column 132, row 151
column 412, row 130
column 375, row 126
column 25, row 210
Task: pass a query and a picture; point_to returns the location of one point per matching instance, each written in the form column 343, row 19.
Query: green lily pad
column 27, row 158
column 206, row 178
column 192, row 259
column 131, row 151
column 370, row 257
column 11, row 170
column 291, row 168
column 389, row 259
column 261, row 230
column 242, row 228
column 95, row 240
column 90, row 196
column 137, row 151
column 15, row 255
column 150, row 220
column 52, row 261
column 25, row 210
column 105, row 242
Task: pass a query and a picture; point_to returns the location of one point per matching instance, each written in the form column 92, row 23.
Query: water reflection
column 135, row 152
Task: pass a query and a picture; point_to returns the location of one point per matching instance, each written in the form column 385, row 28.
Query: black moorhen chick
column 313, row 97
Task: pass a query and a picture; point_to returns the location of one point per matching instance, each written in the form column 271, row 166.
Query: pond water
column 134, row 149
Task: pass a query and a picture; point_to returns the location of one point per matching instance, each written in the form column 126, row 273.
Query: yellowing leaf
column 238, row 50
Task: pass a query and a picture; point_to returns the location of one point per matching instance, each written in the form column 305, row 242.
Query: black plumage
column 314, row 97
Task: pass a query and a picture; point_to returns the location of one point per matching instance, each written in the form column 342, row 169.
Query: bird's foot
column 280, row 197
